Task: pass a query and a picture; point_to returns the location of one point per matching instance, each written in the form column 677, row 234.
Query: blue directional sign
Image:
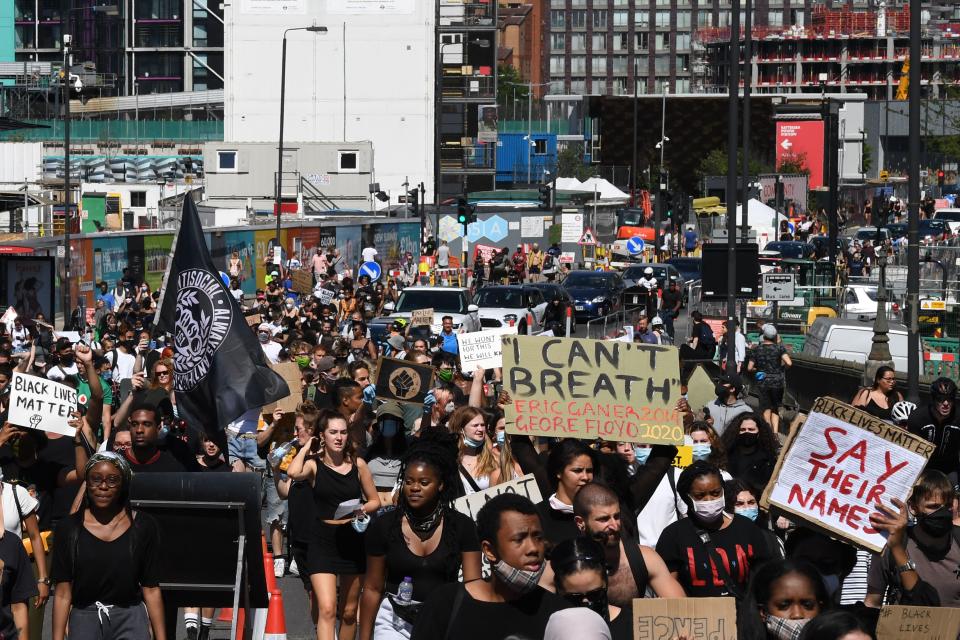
column 371, row 269
column 635, row 245
column 495, row 228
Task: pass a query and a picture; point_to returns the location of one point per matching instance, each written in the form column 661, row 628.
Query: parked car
column 951, row 217
column 792, row 249
column 503, row 305
column 821, row 245
column 870, row 233
column 661, row 271
column 860, row 302
column 445, row 301
column 852, row 340
column 690, row 269
column 897, row 230
column 595, row 293
column 932, row 230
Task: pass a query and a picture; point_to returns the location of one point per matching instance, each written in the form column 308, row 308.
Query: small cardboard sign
column 9, row 315
column 526, row 486
column 38, row 403
column 302, row 281
column 482, row 348
column 838, row 464
column 931, row 623
column 290, row 372
column 671, row 618
column 699, row 390
column 421, row 318
column 684, row 457
column 325, row 296
column 579, row 388
column 253, row 320
column 403, row 381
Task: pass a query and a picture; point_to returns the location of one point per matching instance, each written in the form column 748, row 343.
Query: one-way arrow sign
column 786, row 144
column 778, row 287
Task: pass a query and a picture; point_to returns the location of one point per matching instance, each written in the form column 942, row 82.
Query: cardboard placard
column 838, row 464
column 290, row 372
column 325, row 296
column 525, row 486
column 482, row 348
column 699, row 390
column 579, row 388
column 302, row 281
column 684, row 457
column 253, row 320
column 671, row 618
column 932, row 623
column 421, row 318
column 403, row 381
column 9, row 315
column 38, row 403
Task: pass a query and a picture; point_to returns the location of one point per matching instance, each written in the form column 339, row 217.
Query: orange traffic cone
column 268, row 572
column 241, row 622
column 226, row 615
column 276, row 621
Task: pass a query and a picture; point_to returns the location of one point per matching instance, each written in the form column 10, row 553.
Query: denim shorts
column 245, row 450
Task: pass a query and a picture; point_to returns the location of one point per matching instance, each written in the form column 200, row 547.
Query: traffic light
column 544, row 197
column 463, row 211
column 667, row 204
column 413, row 199
column 941, row 177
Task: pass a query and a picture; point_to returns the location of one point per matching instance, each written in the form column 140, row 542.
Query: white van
column 852, row 340
column 951, row 217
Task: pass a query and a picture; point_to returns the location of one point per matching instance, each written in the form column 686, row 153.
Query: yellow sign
column 933, row 305
column 578, row 388
column 756, row 303
column 884, row 175
column 684, row 457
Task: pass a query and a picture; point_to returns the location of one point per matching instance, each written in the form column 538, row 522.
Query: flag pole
column 166, row 272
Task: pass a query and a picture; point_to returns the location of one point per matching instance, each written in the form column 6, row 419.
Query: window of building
column 704, row 19
column 558, row 19
column 641, row 19
column 643, row 39
column 599, row 42
column 578, row 19
column 682, row 85
column 662, row 85
column 227, row 161
column 539, row 147
column 598, row 65
column 599, row 85
column 558, row 41
column 138, row 198
column 775, row 18
column 558, row 4
column 347, row 162
column 620, row 65
column 641, row 86
column 578, row 42
column 683, row 19
column 663, row 3
column 620, row 86
column 556, row 65
column 621, row 3
column 621, row 18
column 661, row 65
column 661, row 41
column 663, row 19
column 578, row 64
column 681, row 41
column 683, row 63
column 599, row 19
column 621, row 41
column 578, row 85
column 723, row 19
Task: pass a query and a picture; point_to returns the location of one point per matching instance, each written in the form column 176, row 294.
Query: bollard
column 569, row 321
column 529, row 324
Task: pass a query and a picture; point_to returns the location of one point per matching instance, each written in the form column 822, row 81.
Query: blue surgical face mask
column 642, row 454
column 748, row 512
column 474, row 444
column 501, row 438
column 107, row 375
column 701, row 451
column 388, row 427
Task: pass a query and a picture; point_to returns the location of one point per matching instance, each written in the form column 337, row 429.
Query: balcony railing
column 468, row 14
column 467, row 158
column 467, row 87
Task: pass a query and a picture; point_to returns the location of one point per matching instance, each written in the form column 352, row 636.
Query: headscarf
column 578, row 623
column 116, row 460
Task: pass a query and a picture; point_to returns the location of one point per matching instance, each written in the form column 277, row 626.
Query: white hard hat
column 648, row 271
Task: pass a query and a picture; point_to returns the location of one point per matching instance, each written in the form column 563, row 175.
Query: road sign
column 61, row 251
column 371, row 269
column 778, row 287
column 587, row 238
column 884, row 175
column 635, row 245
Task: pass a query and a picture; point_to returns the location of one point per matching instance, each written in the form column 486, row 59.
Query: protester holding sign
column 919, row 563
column 423, row 540
column 710, row 552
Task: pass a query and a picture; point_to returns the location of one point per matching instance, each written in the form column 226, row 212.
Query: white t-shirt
column 369, row 254
column 125, row 362
column 60, row 372
column 443, row 256
column 272, row 349
column 237, row 295
column 11, row 517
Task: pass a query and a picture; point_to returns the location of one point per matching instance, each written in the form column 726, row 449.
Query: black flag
column 220, row 370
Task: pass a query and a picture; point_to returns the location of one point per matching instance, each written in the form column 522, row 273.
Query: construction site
column 842, row 50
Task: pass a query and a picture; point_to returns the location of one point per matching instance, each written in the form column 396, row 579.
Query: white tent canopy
column 569, row 184
column 759, row 215
column 605, row 190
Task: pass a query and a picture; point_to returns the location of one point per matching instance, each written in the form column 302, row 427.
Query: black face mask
column 747, row 439
column 721, row 391
column 595, row 600
column 937, row 524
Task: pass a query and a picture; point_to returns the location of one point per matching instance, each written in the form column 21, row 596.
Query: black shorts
column 299, row 552
column 534, row 269
column 770, row 398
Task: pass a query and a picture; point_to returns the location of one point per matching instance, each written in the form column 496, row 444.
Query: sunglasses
column 163, row 373
column 589, row 596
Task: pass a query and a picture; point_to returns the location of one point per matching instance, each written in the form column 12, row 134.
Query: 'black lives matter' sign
column 403, row 381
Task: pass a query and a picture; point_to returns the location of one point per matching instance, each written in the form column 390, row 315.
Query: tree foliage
column 570, row 162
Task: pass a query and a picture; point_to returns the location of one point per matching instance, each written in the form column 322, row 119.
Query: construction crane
column 904, row 86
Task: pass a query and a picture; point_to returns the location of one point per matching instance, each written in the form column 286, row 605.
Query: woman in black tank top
column 879, row 399
column 336, row 548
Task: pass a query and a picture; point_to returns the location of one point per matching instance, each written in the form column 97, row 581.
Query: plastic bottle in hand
column 405, row 590
column 277, row 455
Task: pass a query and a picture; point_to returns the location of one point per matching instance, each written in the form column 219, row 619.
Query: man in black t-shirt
column 510, row 602
column 144, row 453
column 17, row 586
column 938, row 423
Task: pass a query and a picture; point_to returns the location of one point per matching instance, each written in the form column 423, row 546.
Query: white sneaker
column 293, row 568
column 278, row 567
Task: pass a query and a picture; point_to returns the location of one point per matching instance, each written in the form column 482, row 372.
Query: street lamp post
column 283, row 86
column 67, row 218
column 661, row 185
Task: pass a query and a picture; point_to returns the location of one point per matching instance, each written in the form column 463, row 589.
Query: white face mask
column 709, row 510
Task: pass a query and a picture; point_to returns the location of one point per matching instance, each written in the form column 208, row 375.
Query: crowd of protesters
column 359, row 504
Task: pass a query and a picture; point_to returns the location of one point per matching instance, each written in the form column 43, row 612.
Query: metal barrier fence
column 611, row 326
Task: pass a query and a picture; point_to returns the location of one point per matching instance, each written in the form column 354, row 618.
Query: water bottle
column 277, row 455
column 405, row 590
